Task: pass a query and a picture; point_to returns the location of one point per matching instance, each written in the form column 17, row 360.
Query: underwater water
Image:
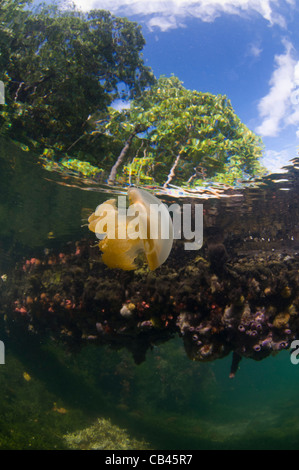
column 59, row 395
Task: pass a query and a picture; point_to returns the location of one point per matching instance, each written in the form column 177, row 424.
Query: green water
column 167, row 402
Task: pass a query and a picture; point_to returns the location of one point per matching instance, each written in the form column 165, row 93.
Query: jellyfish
column 124, row 235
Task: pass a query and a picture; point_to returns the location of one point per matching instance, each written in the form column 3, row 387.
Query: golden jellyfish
column 124, row 235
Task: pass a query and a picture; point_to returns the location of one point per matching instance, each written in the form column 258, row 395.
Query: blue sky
column 245, row 49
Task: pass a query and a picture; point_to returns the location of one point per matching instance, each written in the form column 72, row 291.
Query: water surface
column 167, row 401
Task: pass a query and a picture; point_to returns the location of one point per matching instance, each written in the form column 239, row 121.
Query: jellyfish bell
column 157, row 226
column 103, row 220
column 146, row 228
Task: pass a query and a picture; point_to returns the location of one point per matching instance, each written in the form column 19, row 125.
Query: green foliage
column 139, row 170
column 61, row 67
column 69, row 165
column 195, row 135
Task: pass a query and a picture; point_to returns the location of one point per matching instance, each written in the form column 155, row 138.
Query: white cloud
column 274, row 160
column 254, row 50
column 279, row 108
column 162, row 23
column 170, row 14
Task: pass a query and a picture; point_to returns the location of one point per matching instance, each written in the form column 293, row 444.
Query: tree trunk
column 123, row 153
column 172, row 173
